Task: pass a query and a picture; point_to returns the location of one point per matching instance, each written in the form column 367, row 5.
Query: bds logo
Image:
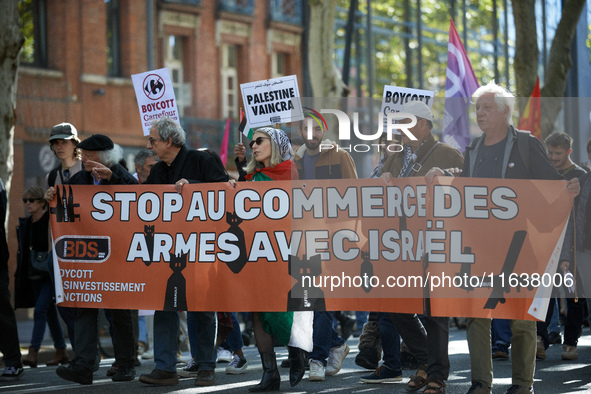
column 83, row 249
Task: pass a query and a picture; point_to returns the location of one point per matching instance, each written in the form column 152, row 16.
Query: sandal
column 435, row 386
column 418, row 380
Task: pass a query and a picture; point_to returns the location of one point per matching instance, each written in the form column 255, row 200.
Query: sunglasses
column 258, row 141
column 31, row 200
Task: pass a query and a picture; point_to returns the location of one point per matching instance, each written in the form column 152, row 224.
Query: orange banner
column 460, row 247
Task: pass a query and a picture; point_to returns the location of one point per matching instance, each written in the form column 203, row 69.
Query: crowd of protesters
column 501, row 152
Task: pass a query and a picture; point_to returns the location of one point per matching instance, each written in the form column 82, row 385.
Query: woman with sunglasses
column 271, row 161
column 34, row 285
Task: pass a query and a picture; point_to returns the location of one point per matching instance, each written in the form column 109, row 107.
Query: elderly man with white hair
column 503, row 152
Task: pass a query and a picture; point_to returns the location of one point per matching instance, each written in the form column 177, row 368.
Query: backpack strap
column 417, row 166
column 53, row 175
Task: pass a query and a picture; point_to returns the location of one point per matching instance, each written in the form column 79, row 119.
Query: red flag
column 225, row 140
column 531, row 118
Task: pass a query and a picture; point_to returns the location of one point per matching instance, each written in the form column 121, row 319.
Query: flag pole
column 239, row 131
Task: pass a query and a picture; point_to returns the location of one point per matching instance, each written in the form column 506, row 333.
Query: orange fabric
column 237, row 242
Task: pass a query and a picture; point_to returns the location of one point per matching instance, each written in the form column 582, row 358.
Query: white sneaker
column 148, row 355
column 237, row 365
column 336, row 356
column 224, row 356
column 190, row 371
column 316, row 371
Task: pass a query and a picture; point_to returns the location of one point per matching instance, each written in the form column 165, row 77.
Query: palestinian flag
column 248, row 133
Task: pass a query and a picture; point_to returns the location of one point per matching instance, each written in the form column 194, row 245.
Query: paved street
column 552, row 375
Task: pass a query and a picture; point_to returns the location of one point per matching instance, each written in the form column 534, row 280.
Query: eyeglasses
column 258, row 141
column 31, row 200
column 152, row 140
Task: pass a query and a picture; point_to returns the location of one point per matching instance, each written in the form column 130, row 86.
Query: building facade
column 80, row 54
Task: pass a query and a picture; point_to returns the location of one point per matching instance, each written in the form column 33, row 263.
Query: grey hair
column 141, row 156
column 110, row 157
column 502, row 96
column 168, row 128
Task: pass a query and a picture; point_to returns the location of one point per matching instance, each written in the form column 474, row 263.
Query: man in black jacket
column 101, row 167
column 179, row 166
column 503, row 152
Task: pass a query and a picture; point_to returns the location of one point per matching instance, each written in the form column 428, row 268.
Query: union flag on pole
column 531, row 118
column 460, row 84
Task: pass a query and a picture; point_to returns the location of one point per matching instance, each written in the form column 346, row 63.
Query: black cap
column 63, row 131
column 96, row 142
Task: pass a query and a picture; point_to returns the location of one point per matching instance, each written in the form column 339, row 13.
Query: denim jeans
column 390, row 342
column 233, row 341
column 142, row 329
column 324, row 337
column 87, row 337
column 9, row 343
column 554, row 325
column 500, row 333
column 46, row 313
column 166, row 331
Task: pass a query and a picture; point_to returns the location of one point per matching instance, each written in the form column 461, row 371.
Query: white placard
column 272, row 101
column 155, row 97
column 395, row 96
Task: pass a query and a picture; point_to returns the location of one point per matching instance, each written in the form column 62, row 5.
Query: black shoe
column 205, row 378
column 113, row 370
column 160, row 378
column 555, row 338
column 11, row 374
column 516, row 389
column 271, row 379
column 75, row 373
column 297, row 365
column 124, row 375
column 367, row 358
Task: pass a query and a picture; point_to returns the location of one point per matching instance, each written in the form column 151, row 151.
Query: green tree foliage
column 396, row 42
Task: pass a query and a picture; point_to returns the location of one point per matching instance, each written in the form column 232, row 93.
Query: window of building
column 173, row 59
column 113, row 38
column 279, row 64
column 34, row 28
column 229, row 81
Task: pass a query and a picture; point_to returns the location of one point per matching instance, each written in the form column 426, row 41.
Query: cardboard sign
column 272, row 101
column 155, row 97
column 395, row 96
column 473, row 247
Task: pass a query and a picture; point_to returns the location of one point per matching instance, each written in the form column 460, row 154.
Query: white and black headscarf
column 281, row 140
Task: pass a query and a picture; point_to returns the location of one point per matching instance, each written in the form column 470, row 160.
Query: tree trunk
column 11, row 42
column 325, row 78
column 559, row 64
column 525, row 62
column 559, row 60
